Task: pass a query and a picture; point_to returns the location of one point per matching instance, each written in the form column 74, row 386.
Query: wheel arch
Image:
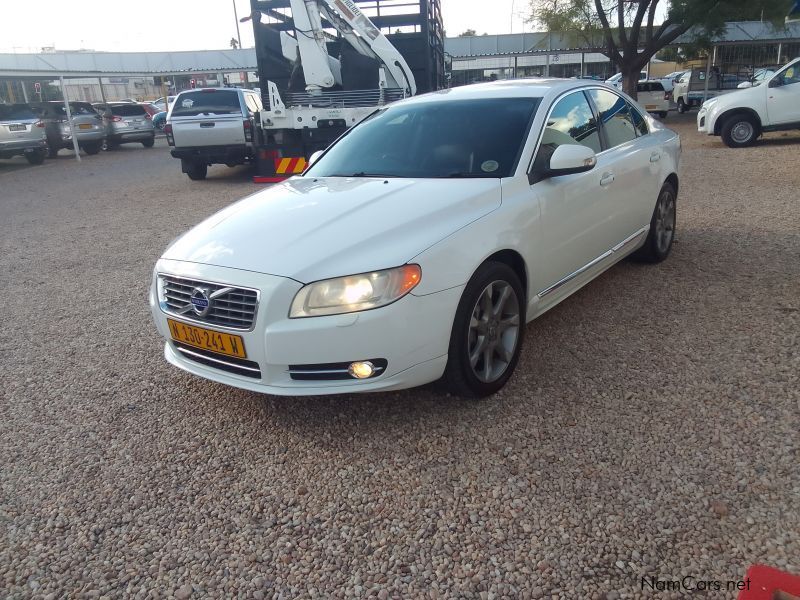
column 730, row 113
column 672, row 179
column 513, row 259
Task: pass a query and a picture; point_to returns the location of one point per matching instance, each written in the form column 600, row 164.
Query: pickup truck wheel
column 682, row 108
column 662, row 228
column 487, row 334
column 197, row 171
column 740, row 130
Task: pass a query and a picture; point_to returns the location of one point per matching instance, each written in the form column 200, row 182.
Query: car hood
column 310, row 229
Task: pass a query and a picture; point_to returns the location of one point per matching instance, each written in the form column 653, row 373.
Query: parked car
column 742, row 116
column 127, row 123
column 160, row 120
column 86, row 125
column 212, row 126
column 22, row 133
column 653, row 96
column 160, row 102
column 150, row 109
column 616, row 80
column 415, row 248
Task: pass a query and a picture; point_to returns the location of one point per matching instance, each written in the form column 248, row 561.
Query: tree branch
column 623, row 39
column 650, row 19
column 613, row 52
column 637, row 21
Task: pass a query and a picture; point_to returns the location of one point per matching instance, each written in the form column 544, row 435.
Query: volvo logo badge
column 200, row 302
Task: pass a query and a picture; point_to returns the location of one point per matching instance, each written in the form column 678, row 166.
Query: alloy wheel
column 493, row 331
column 665, row 221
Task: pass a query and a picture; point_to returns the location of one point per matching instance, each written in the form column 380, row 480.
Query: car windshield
column 460, row 138
column 207, row 101
column 16, row 112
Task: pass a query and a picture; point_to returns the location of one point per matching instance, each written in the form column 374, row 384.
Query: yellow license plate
column 213, row 341
column 650, row 106
column 84, row 126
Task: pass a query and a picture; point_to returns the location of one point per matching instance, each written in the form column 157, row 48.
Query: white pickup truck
column 740, row 117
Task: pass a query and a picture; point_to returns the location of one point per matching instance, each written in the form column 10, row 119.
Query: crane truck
column 324, row 65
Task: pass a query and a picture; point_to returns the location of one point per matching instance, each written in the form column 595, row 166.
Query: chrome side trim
column 594, row 262
column 216, row 360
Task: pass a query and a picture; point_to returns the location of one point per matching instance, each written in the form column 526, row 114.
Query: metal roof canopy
column 126, row 64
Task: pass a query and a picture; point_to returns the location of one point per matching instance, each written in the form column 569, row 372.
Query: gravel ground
column 651, row 429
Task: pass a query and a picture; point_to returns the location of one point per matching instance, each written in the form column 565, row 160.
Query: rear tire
column 663, row 114
column 740, row 131
column 92, row 148
column 197, row 171
column 682, row 108
column 659, row 240
column 149, row 143
column 36, row 157
column 488, row 331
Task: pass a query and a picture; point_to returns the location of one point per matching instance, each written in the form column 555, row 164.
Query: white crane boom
column 360, row 33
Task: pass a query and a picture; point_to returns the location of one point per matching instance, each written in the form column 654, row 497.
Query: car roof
column 509, row 88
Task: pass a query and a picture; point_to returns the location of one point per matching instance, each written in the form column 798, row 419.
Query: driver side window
column 571, row 121
column 790, row 75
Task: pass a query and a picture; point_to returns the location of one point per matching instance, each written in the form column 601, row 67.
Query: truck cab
column 742, row 116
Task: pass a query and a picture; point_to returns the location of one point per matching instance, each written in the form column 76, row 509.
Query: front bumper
column 703, row 121
column 412, row 335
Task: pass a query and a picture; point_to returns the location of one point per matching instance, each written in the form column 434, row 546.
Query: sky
column 171, row 25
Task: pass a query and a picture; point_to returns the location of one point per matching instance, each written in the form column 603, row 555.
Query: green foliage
column 621, row 28
column 468, row 33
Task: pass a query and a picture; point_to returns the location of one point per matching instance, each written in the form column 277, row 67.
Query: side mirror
column 744, row 85
column 315, row 157
column 571, row 158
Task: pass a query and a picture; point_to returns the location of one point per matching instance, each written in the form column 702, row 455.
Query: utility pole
column 236, row 18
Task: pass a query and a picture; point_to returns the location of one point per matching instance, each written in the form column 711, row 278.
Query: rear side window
column 216, row 102
column 15, row 112
column 615, row 115
column 127, row 110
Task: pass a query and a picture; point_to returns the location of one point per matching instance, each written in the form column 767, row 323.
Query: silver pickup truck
column 212, row 126
column 21, row 133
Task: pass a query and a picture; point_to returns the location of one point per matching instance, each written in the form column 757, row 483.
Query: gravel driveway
column 652, row 429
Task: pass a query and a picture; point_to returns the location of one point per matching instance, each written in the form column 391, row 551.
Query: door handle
column 607, row 179
column 655, row 157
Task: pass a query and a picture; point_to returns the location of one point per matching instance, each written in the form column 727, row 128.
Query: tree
column 627, row 30
column 468, row 33
column 234, row 43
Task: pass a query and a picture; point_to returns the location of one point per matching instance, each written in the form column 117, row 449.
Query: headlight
column 355, row 292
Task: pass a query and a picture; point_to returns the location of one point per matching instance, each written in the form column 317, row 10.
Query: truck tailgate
column 208, row 130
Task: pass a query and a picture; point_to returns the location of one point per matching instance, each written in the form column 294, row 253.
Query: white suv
column 212, row 126
column 742, row 116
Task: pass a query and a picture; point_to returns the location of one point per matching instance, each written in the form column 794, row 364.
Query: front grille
column 238, row 366
column 231, row 307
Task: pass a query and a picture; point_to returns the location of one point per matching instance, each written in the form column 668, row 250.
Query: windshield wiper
column 460, row 174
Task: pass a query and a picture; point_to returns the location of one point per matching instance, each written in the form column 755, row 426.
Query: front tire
column 197, row 171
column 488, row 331
column 740, row 131
column 659, row 240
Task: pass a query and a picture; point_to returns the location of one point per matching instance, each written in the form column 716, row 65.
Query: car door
column 783, row 96
column 575, row 209
column 626, row 165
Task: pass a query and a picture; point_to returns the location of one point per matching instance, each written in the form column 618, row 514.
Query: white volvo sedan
column 418, row 246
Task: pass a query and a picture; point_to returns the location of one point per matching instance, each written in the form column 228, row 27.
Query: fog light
column 361, row 370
